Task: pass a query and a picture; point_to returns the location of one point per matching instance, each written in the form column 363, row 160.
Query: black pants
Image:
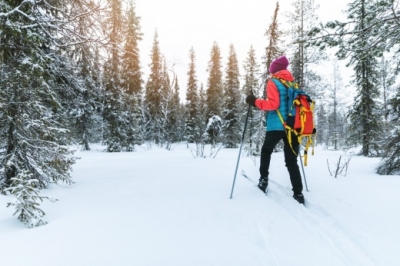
column 271, row 139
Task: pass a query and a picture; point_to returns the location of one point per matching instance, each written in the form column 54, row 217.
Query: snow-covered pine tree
column 98, row 133
column 231, row 114
column 390, row 163
column 167, row 119
column 336, row 99
column 387, row 33
column 113, row 92
column 330, row 111
column 213, row 129
column 33, row 80
column 174, row 119
column 382, row 30
column 202, row 114
column 371, row 29
column 131, row 72
column 387, row 78
column 131, row 78
column 26, row 191
column 180, row 115
column 365, row 115
column 256, row 119
column 115, row 111
column 215, row 87
column 85, row 102
column 192, row 102
column 153, row 92
column 305, row 58
column 204, row 127
column 332, row 107
column 274, row 49
column 322, row 124
column 38, row 80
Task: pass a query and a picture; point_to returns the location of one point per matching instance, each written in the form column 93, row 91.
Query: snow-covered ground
column 159, row 207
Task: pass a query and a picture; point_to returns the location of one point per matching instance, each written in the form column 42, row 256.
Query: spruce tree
column 26, row 192
column 98, row 132
column 131, row 77
column 390, row 163
column 387, row 79
column 322, row 124
column 131, row 71
column 274, row 48
column 231, row 114
column 86, row 98
column 33, row 132
column 192, row 102
column 256, row 119
column 336, row 98
column 167, row 118
column 382, row 31
column 365, row 115
column 305, row 58
column 202, row 114
column 215, row 88
column 153, row 94
column 175, row 117
column 38, row 80
column 115, row 114
column 372, row 28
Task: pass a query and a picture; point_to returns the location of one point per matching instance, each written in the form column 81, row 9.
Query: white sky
column 182, row 24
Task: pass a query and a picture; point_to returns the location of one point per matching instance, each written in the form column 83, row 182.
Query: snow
column 159, row 207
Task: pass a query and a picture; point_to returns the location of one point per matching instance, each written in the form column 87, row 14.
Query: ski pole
column 240, row 149
column 304, row 174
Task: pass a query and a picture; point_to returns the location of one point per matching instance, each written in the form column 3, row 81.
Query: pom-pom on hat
column 278, row 64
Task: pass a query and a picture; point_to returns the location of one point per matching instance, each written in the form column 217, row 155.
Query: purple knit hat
column 278, row 64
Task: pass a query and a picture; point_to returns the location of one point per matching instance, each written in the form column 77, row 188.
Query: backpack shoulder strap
column 286, row 83
column 276, row 80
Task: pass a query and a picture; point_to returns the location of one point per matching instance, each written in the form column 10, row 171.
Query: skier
column 276, row 99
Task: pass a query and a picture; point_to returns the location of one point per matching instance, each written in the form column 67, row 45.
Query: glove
column 251, row 99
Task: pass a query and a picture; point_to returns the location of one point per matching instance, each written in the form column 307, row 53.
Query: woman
column 276, row 100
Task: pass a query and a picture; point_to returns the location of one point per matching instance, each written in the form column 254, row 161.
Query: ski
column 243, row 173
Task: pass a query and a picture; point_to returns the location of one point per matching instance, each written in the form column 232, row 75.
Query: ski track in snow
column 270, row 251
column 319, row 223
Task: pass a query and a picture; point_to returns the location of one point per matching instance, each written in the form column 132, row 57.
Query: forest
column 70, row 74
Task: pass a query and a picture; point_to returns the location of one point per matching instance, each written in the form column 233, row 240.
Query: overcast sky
column 182, row 24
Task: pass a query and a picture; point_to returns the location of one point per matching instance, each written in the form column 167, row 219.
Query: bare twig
column 341, row 167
